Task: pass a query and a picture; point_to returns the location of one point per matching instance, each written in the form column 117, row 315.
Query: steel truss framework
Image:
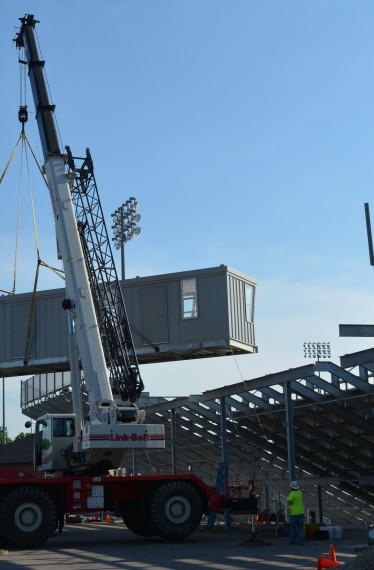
column 331, row 412
column 114, row 326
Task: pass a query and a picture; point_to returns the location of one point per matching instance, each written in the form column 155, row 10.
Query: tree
column 21, row 435
column 7, row 438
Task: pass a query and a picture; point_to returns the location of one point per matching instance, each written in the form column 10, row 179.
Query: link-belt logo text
column 129, row 437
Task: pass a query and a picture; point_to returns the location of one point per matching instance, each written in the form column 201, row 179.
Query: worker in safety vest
column 295, row 501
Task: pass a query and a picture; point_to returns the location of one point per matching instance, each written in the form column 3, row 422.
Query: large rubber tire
column 176, row 509
column 28, row 517
column 140, row 526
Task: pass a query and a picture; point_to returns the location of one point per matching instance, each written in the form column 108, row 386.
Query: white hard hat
column 294, row 485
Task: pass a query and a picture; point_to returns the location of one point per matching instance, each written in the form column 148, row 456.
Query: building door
column 153, row 310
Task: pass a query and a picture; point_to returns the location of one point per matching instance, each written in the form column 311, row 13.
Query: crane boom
column 94, row 300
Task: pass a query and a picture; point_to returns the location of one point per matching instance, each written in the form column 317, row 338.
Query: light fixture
column 317, row 350
column 125, row 227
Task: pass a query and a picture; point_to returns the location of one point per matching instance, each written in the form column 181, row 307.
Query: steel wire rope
column 266, row 448
column 22, row 138
column 24, row 150
column 23, row 101
column 152, row 465
column 22, row 77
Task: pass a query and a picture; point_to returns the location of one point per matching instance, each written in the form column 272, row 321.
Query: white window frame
column 249, row 303
column 189, row 298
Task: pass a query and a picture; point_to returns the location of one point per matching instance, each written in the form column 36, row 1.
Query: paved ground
column 100, row 546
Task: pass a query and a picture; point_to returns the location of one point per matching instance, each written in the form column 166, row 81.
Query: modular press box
column 190, row 314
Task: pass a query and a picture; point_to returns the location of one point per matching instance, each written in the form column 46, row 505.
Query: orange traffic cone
column 107, row 518
column 323, row 562
column 332, row 553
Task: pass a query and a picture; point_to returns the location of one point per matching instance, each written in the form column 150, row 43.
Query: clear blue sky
column 244, row 127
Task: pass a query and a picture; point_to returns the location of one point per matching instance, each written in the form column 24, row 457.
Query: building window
column 44, row 434
column 63, row 427
column 249, row 298
column 189, row 298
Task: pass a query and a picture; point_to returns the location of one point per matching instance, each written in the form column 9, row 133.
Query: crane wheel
column 176, row 509
column 140, row 526
column 28, row 517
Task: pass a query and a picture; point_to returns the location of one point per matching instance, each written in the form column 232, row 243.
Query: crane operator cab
column 61, row 445
column 54, row 437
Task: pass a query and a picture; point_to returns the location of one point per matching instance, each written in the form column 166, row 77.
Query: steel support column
column 224, row 456
column 290, row 431
column 320, row 504
column 173, row 427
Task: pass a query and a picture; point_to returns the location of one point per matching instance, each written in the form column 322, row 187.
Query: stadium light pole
column 125, row 227
column 317, row 350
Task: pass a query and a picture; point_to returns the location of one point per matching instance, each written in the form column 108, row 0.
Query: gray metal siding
column 48, row 331
column 52, row 326
column 155, row 315
column 5, row 332
column 239, row 328
column 212, row 313
column 212, row 321
column 131, row 298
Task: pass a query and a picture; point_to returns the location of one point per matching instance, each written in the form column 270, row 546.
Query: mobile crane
column 78, row 451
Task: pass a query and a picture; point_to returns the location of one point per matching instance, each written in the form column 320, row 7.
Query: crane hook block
column 23, row 115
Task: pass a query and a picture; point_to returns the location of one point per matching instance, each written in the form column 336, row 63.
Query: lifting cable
column 31, row 314
column 11, row 158
column 12, row 292
column 39, row 261
column 58, row 272
column 23, row 118
column 25, row 142
column 259, row 457
column 24, row 149
column 17, row 226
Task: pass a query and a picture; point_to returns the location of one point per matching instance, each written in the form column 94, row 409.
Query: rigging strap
column 11, row 158
column 32, row 306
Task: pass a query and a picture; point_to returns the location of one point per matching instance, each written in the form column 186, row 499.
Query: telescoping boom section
column 100, row 340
